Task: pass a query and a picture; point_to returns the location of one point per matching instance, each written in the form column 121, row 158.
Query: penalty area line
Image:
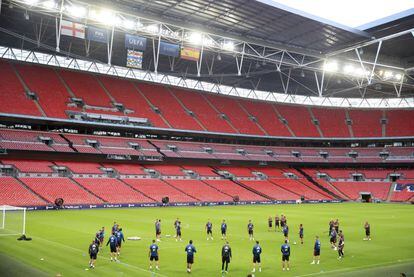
column 371, row 266
column 105, row 258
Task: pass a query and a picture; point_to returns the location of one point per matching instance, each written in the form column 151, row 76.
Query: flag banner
column 134, row 59
column 190, row 53
column 135, row 42
column 169, row 49
column 97, row 34
column 72, row 29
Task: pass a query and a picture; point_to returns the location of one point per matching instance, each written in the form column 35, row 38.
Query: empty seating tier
column 53, row 188
column 15, row 194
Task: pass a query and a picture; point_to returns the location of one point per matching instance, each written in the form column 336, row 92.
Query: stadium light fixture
column 228, row 45
column 361, row 72
column 76, row 11
column 153, row 28
column 31, row 2
column 218, row 57
column 139, row 24
column 51, row 4
column 349, row 69
column 105, row 17
column 398, row 77
column 128, row 24
column 208, row 41
column 331, row 66
column 195, row 38
column 388, row 74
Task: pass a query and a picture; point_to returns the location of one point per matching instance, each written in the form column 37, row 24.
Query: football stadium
column 206, row 138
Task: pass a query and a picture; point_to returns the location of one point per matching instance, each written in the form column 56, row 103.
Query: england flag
column 72, row 29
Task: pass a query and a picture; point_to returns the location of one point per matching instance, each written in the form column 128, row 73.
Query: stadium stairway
column 337, row 191
column 186, row 109
column 280, row 187
column 390, row 193
column 87, row 190
column 311, row 180
column 151, row 105
column 207, row 184
column 314, row 119
column 257, row 123
column 26, row 88
column 227, row 120
column 348, row 118
column 32, row 191
column 252, row 190
column 128, row 185
column 180, row 190
column 279, row 115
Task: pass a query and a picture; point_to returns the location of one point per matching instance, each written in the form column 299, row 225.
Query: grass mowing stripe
column 106, row 258
column 381, row 265
column 69, row 232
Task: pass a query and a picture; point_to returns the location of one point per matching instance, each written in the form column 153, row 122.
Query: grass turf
column 61, row 239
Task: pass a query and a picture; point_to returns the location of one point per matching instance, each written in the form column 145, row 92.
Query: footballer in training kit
column 225, row 257
column 285, row 249
column 112, row 241
column 257, row 251
column 93, row 253
column 224, row 230
column 209, row 229
column 153, row 255
column 316, row 251
column 190, row 250
column 250, row 227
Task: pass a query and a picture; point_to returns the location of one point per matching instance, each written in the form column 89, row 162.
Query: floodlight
column 139, row 24
column 349, row 69
column 106, row 17
column 361, row 72
column 76, row 11
column 153, row 28
column 331, row 66
column 51, row 4
column 398, row 77
column 208, row 41
column 195, row 38
column 388, row 74
column 128, row 24
column 31, row 2
column 228, row 45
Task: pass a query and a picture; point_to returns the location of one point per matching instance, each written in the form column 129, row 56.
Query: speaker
column 302, row 198
column 165, row 200
column 59, row 202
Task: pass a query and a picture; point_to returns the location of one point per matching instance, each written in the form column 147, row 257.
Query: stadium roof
column 299, row 45
column 263, row 21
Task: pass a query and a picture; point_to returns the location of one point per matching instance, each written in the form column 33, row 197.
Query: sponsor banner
column 141, row 205
column 72, row 29
column 169, row 49
column 190, row 53
column 135, row 42
column 134, row 59
column 97, row 34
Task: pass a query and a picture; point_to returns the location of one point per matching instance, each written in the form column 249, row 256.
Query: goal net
column 12, row 220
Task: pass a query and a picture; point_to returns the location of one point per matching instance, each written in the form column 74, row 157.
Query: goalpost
column 12, row 221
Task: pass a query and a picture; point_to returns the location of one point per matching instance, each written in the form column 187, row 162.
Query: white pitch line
column 358, row 267
column 78, row 250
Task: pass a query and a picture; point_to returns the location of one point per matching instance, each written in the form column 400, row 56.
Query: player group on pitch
column 336, row 238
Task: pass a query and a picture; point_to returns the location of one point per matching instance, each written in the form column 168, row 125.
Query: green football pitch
column 61, row 239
